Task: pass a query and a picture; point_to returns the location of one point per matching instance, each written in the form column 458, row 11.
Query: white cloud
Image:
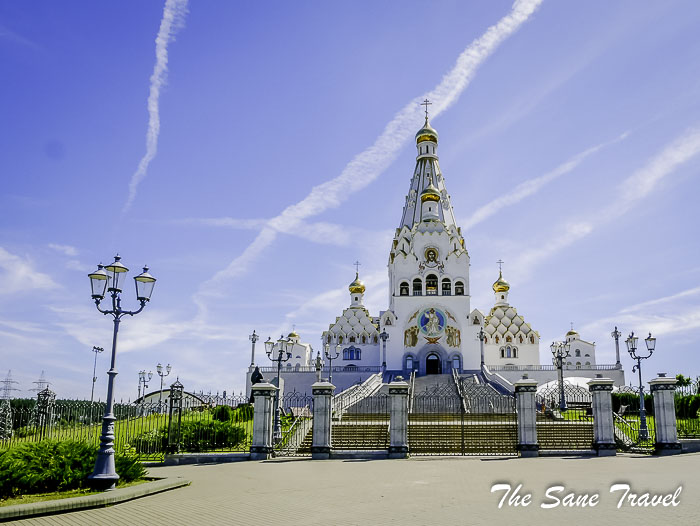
column 173, row 19
column 66, row 250
column 366, row 166
column 18, row 274
column 632, row 190
column 534, row 185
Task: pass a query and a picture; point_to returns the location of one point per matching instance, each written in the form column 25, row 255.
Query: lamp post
column 616, row 336
column 482, row 337
column 632, row 349
column 282, row 349
column 96, row 350
column 144, row 378
column 560, row 351
column 331, row 357
column 253, row 338
column 384, row 336
column 159, row 369
column 110, row 278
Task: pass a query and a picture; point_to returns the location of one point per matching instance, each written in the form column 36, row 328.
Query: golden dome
column 293, row 334
column 430, row 193
column 427, row 133
column 572, row 333
column 501, row 285
column 357, row 286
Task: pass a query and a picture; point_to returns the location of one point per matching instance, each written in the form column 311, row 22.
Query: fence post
column 323, row 406
column 261, row 447
column 603, row 425
column 525, row 390
column 663, row 390
column 398, row 445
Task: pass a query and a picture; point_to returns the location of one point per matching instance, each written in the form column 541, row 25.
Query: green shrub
column 153, row 441
column 243, row 413
column 202, row 435
column 50, row 465
column 222, row 413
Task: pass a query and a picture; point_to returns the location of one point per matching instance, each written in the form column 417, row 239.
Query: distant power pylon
column 7, row 387
column 41, row 383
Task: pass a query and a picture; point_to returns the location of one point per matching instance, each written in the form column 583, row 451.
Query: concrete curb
column 99, row 500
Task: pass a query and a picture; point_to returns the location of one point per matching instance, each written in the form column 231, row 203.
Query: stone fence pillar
column 398, row 427
column 525, row 390
column 323, row 407
column 663, row 389
column 603, row 426
column 263, row 411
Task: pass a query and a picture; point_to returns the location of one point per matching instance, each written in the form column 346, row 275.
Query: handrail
column 342, row 401
column 312, row 369
column 604, row 367
column 497, row 379
column 460, row 390
column 411, row 390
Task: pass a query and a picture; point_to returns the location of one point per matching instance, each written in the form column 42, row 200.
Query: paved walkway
column 422, row 490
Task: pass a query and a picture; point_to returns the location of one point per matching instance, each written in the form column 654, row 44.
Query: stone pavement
column 422, row 490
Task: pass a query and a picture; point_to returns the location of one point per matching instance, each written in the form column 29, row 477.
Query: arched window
column 508, row 352
column 417, row 287
column 476, row 320
column 346, row 354
column 577, row 353
column 403, row 289
column 532, row 339
column 431, row 283
column 515, row 352
column 578, row 365
column 459, row 288
column 340, row 339
column 446, row 287
column 456, row 363
column 588, row 363
column 503, row 352
column 521, row 338
column 409, row 363
column 329, row 339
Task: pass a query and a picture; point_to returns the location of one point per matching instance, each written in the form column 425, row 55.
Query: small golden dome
column 572, row 333
column 427, row 133
column 501, row 285
column 293, row 334
column 430, row 193
column 357, row 286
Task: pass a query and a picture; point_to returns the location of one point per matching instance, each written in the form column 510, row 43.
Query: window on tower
column 446, row 287
column 403, row 289
column 459, row 288
column 431, row 283
column 417, row 287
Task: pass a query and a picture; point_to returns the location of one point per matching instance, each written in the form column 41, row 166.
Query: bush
column 154, row 441
column 201, row 436
column 222, row 413
column 50, row 465
column 687, row 406
column 243, row 413
column 632, row 401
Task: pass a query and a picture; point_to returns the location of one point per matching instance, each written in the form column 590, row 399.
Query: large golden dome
column 501, row 285
column 357, row 286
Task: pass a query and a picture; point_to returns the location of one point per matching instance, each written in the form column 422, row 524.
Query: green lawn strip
column 58, row 495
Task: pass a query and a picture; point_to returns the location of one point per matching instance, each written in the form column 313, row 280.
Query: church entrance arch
column 433, row 364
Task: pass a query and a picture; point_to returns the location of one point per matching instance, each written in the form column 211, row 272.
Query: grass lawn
column 57, row 495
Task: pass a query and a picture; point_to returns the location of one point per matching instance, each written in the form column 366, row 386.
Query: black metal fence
column 633, row 431
column 296, row 426
column 148, row 430
column 467, row 419
column 687, row 402
column 361, row 419
column 567, row 425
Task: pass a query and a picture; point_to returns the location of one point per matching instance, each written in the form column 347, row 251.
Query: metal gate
column 564, row 425
column 296, row 426
column 630, row 432
column 462, row 419
column 361, row 419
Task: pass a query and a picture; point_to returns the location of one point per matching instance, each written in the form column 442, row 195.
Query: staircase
column 564, row 435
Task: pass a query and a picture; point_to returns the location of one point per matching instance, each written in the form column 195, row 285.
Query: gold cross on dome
column 357, row 266
column 426, row 103
column 500, row 263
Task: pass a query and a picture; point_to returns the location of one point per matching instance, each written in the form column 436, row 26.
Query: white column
column 398, row 428
column 525, row 390
column 663, row 389
column 603, row 426
column 323, row 406
column 263, row 411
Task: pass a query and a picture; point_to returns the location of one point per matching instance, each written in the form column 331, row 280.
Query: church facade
column 430, row 326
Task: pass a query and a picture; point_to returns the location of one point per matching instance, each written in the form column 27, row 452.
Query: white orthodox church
column 430, row 326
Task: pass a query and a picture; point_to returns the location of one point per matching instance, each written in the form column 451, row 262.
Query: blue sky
column 570, row 147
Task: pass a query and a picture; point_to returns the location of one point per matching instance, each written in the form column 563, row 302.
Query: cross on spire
column 426, row 103
column 572, row 325
column 500, row 265
column 357, row 267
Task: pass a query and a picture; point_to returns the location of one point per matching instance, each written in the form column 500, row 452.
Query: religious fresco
column 431, row 322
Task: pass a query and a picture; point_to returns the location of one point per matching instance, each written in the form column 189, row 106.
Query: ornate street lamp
column 632, row 349
column 253, row 338
column 110, row 278
column 384, row 336
column 144, row 378
column 159, row 370
column 279, row 352
column 330, row 356
column 616, row 336
column 482, row 338
column 560, row 351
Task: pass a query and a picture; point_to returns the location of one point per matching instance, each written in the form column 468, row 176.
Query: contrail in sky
column 369, row 164
column 173, row 19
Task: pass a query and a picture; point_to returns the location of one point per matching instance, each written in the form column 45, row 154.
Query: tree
column 5, row 420
column 683, row 381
